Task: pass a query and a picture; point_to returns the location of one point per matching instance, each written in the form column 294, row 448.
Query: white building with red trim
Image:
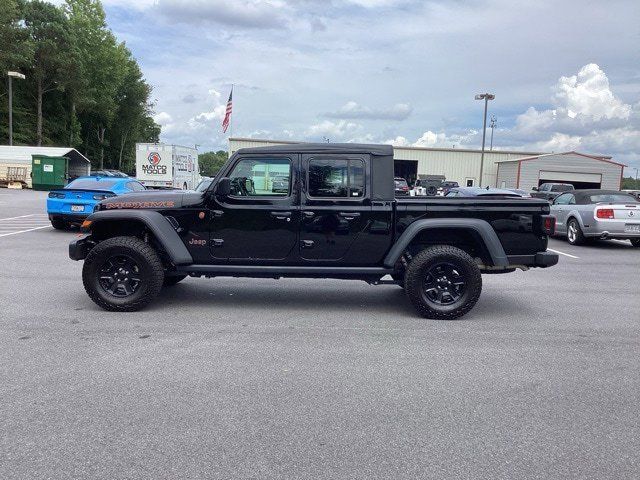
column 579, row 169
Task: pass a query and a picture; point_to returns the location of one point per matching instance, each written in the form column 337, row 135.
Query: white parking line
column 22, row 231
column 562, row 253
column 24, row 216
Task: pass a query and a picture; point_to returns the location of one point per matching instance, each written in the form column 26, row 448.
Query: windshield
column 203, row 185
column 612, row 198
column 102, row 184
column 400, row 182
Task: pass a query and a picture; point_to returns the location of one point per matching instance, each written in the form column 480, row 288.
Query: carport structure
column 579, row 169
column 15, row 161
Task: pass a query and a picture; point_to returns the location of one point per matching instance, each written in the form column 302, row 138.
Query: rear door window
column 336, row 178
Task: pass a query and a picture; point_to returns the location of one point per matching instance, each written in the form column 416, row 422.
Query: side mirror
column 223, row 187
column 535, row 189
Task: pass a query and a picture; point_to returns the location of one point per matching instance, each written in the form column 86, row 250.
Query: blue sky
column 566, row 74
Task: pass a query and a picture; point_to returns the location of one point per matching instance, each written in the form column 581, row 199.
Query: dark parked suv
column 337, row 218
column 549, row 191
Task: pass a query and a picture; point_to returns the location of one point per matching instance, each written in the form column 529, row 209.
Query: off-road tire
column 416, row 276
column 151, row 273
column 171, row 280
column 578, row 237
column 59, row 224
column 635, row 242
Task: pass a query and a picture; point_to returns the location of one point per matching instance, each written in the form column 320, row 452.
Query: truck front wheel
column 443, row 282
column 122, row 274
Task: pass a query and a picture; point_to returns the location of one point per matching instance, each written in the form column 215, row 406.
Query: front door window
column 258, row 177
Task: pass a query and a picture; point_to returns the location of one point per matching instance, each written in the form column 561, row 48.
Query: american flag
column 227, row 115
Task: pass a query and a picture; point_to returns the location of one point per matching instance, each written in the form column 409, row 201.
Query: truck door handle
column 349, row 215
column 217, row 213
column 282, row 216
column 306, row 244
column 308, row 214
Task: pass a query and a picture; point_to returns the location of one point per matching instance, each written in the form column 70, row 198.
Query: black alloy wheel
column 120, row 276
column 443, row 284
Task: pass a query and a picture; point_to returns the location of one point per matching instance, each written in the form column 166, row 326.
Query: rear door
column 335, row 205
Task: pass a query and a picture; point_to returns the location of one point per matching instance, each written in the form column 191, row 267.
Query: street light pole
column 11, row 75
column 486, row 97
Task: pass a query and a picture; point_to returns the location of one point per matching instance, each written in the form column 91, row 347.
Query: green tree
column 52, row 57
column 88, row 89
column 630, row 183
column 211, row 162
column 14, row 55
column 102, row 67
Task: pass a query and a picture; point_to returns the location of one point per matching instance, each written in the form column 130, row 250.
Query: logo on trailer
column 154, row 167
column 154, row 158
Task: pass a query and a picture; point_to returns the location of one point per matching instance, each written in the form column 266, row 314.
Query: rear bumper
column 78, row 249
column 540, row 260
column 75, row 218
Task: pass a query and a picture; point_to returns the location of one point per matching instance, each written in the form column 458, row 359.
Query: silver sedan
column 589, row 214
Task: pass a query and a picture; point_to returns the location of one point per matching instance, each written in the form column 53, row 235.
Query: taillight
column 405, row 188
column 605, row 213
column 549, row 224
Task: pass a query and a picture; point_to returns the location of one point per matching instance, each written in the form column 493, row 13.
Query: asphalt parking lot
column 243, row 378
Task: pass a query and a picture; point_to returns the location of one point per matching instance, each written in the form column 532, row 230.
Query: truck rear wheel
column 443, row 282
column 122, row 274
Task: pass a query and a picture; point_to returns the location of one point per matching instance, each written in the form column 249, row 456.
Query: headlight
column 56, row 195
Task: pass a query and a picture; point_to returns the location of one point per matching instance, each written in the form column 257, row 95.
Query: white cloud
column 162, row 118
column 586, row 116
column 341, row 130
column 208, row 119
column 588, row 94
column 399, row 141
column 353, row 110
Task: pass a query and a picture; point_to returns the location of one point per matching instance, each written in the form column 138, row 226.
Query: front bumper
column 539, row 260
column 78, row 249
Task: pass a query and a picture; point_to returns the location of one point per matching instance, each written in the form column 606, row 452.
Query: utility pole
column 486, row 97
column 11, row 76
column 492, row 124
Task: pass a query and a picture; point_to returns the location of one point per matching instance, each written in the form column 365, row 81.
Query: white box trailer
column 159, row 165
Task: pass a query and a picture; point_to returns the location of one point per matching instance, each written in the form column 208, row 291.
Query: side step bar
column 269, row 270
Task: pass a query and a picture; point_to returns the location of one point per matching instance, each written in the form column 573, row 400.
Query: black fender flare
column 481, row 227
column 159, row 226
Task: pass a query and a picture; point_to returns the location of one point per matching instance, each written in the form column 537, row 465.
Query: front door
column 259, row 220
column 562, row 205
column 335, row 205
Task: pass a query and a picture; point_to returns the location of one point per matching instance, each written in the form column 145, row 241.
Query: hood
column 154, row 199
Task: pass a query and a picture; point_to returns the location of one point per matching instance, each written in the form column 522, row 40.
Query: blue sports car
column 77, row 200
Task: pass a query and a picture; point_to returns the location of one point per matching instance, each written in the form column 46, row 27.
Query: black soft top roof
column 377, row 150
column 594, row 191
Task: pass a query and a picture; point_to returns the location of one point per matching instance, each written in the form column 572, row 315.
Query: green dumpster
column 49, row 173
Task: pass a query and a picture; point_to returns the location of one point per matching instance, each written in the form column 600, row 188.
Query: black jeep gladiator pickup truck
column 313, row 211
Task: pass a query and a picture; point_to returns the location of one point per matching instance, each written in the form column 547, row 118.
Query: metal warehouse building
column 15, row 161
column 500, row 166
